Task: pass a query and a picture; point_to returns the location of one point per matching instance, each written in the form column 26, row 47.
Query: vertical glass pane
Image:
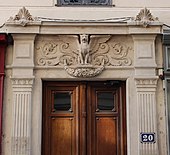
column 62, row 101
column 105, row 101
column 85, row 2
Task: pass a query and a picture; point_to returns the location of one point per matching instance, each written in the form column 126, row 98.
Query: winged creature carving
column 83, row 55
column 84, row 49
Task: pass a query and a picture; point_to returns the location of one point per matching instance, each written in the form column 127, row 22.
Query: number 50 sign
column 147, row 137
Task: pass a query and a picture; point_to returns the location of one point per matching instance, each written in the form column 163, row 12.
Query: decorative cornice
column 23, row 18
column 145, row 18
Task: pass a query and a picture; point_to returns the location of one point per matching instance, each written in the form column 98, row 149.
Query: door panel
column 104, row 122
column 62, row 141
column 84, row 118
column 60, row 119
column 106, row 136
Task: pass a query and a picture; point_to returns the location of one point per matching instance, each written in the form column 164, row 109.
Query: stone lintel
column 89, row 28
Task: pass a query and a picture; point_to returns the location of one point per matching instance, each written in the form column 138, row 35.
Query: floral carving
column 84, row 55
column 23, row 17
column 145, row 17
column 23, row 14
column 116, row 56
column 84, row 72
column 49, row 55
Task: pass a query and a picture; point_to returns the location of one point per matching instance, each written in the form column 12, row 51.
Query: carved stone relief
column 83, row 55
column 145, row 17
column 145, row 82
column 22, row 81
column 23, row 17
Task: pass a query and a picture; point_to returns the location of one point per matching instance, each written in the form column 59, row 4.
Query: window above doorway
column 84, row 2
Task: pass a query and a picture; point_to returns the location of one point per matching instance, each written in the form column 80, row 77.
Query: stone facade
column 50, row 49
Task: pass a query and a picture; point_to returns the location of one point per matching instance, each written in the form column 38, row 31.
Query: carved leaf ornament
column 23, row 14
column 145, row 17
column 84, row 56
column 23, row 17
column 86, row 71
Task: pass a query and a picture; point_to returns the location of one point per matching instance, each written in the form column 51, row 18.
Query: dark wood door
column 84, row 118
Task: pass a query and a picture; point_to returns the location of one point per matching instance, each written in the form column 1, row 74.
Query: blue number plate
column 147, row 137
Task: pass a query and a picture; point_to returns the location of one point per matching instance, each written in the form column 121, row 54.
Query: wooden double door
column 84, row 118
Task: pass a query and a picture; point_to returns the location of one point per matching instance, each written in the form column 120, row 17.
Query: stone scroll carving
column 83, row 55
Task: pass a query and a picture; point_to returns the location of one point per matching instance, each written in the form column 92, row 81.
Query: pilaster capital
column 22, row 83
column 149, row 83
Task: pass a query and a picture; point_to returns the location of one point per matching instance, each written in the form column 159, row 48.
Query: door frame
column 122, row 98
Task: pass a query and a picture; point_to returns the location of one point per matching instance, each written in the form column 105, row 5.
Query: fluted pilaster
column 22, row 82
column 21, row 128
column 146, row 102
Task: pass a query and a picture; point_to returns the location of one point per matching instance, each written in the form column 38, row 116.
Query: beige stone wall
column 84, row 13
column 30, row 58
column 49, row 10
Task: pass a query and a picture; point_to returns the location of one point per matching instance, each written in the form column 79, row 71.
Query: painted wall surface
column 3, row 44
